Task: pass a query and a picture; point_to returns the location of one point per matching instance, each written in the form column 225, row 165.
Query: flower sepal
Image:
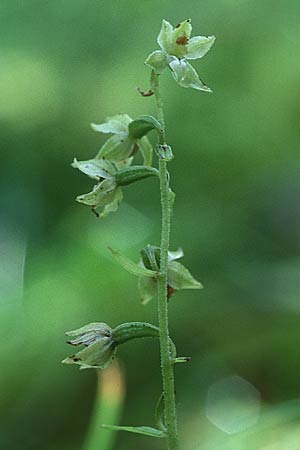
column 157, row 60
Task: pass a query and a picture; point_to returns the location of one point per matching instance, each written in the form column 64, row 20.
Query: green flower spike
column 128, row 136
column 99, row 346
column 178, row 276
column 176, row 48
column 107, row 193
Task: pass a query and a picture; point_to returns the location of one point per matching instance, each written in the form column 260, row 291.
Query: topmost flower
column 177, row 42
column 176, row 48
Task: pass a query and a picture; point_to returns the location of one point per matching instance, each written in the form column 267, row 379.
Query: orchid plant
column 159, row 273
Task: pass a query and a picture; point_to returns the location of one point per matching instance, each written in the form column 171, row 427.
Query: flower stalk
column 159, row 274
column 167, row 366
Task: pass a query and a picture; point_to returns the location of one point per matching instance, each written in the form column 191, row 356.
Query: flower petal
column 95, row 168
column 97, row 355
column 99, row 328
column 180, row 278
column 185, row 75
column 116, row 124
column 116, row 148
column 198, row 46
column 114, row 205
column 177, row 254
column 182, row 29
column 147, row 289
column 180, row 38
column 164, row 38
column 102, row 194
column 157, row 60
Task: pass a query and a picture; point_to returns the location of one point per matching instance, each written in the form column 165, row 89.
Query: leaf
column 157, row 60
column 185, row 75
column 148, row 431
column 180, row 278
column 146, row 150
column 198, row 46
column 130, row 266
column 117, row 125
column 142, row 125
column 95, row 168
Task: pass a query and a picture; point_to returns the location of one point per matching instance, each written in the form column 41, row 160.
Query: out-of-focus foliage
column 67, row 63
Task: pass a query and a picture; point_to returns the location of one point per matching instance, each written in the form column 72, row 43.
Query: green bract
column 178, row 275
column 177, row 47
column 124, row 143
column 107, row 192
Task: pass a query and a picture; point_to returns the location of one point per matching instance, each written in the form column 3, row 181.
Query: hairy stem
column 165, row 351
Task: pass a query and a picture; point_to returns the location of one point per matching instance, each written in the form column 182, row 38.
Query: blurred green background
column 67, row 63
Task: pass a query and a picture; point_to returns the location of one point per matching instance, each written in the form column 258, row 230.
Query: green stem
column 167, row 366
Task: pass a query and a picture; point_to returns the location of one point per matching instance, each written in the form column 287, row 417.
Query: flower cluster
column 177, row 47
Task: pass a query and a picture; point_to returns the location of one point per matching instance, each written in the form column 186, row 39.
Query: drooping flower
column 178, row 275
column 100, row 342
column 123, row 144
column 97, row 338
column 107, row 193
column 176, row 48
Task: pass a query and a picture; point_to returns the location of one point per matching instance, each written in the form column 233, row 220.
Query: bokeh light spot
column 233, row 404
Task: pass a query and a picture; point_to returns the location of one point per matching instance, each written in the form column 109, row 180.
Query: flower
column 178, row 275
column 176, row 48
column 122, row 145
column 99, row 345
column 106, row 193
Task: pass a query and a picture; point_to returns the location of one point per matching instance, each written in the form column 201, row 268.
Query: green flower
column 107, row 193
column 178, row 275
column 123, row 144
column 97, row 338
column 176, row 48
